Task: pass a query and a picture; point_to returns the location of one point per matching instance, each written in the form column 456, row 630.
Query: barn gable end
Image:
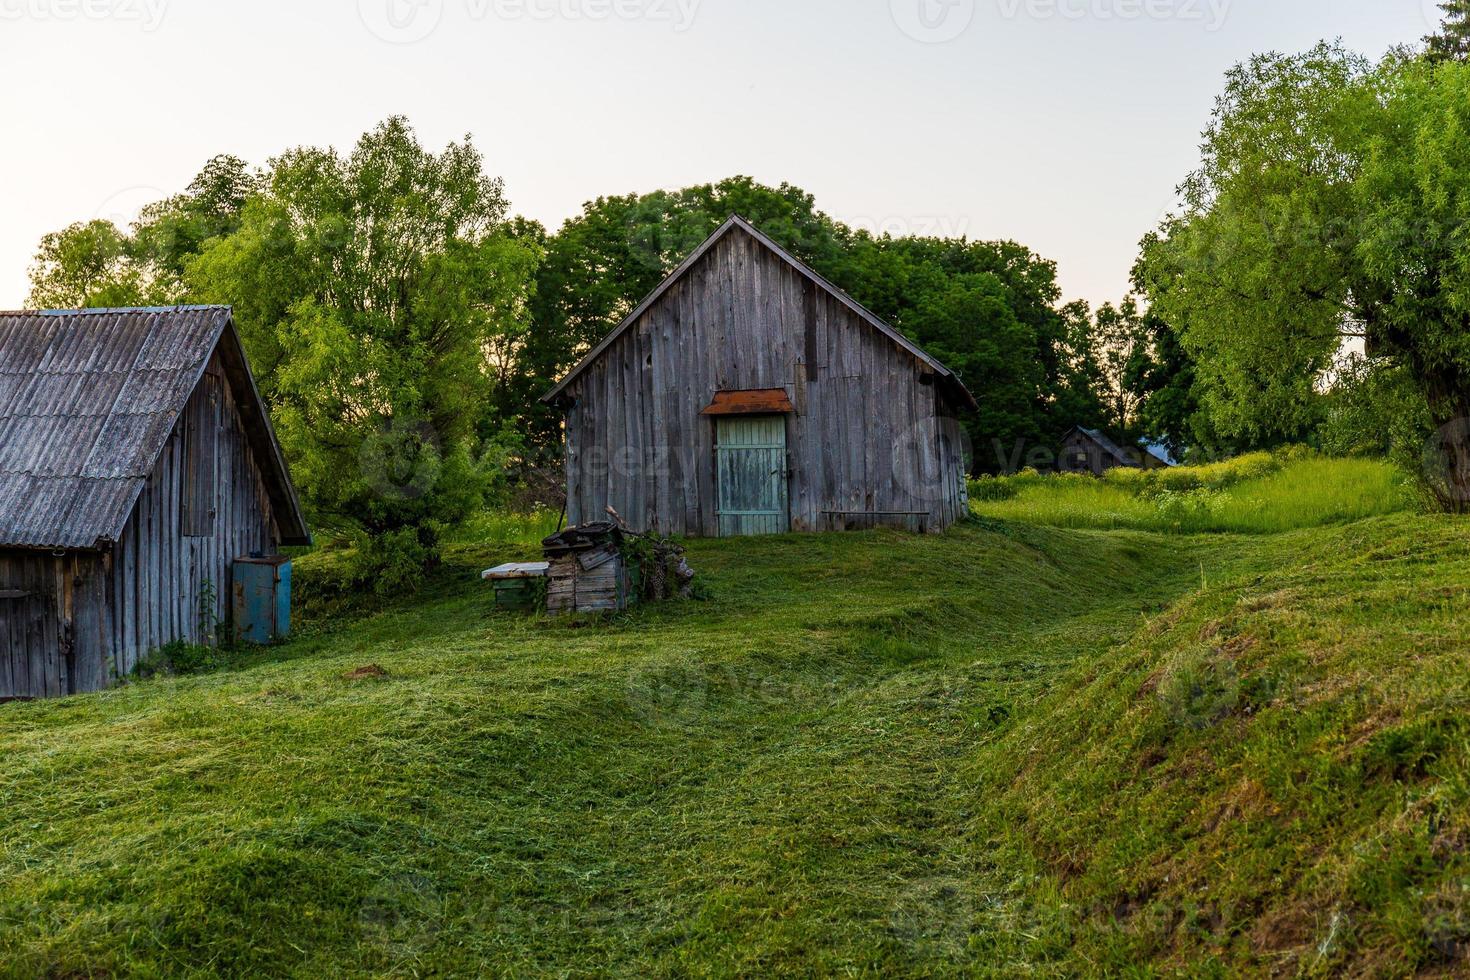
column 872, row 438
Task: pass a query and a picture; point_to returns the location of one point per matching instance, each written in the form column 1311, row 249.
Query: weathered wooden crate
column 590, row 582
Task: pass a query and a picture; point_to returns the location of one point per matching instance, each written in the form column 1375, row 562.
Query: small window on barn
column 198, row 485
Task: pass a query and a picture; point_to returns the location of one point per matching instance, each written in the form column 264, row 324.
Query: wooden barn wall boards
column 167, row 474
column 870, row 438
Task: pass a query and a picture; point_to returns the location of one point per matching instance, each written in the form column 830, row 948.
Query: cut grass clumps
column 1262, row 493
column 1268, row 778
column 1009, row 750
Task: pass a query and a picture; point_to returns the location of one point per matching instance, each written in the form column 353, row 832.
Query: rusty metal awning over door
column 765, row 401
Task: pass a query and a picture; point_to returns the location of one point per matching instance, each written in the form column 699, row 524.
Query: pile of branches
column 664, row 570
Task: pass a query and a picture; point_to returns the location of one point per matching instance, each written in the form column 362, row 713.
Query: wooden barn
column 749, row 395
column 137, row 464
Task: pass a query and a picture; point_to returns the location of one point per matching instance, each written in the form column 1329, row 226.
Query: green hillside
column 1014, row 748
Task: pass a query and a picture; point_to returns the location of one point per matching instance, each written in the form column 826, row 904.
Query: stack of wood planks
column 588, row 572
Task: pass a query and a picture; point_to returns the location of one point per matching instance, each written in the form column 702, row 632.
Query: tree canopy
column 1330, row 205
column 403, row 325
column 1452, row 41
column 369, row 289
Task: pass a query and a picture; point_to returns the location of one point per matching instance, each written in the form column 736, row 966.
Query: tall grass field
column 1235, row 744
column 1262, row 493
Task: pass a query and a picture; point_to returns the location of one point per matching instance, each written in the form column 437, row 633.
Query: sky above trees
column 1062, row 124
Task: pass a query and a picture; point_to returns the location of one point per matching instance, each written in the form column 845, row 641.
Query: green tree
column 87, row 264
column 969, row 324
column 1122, row 344
column 1330, row 204
column 1163, row 378
column 1452, row 41
column 374, row 292
column 1164, row 375
column 96, row 263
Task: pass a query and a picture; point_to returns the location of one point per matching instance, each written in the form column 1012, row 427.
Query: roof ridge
column 120, row 310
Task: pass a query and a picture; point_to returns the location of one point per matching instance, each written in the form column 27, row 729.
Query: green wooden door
column 751, row 452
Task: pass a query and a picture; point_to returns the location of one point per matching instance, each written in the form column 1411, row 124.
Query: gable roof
column 88, row 400
column 1110, row 447
column 957, row 387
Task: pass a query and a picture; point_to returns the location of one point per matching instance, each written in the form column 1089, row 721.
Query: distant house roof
column 1160, row 451
column 88, row 399
column 947, row 377
column 1111, row 448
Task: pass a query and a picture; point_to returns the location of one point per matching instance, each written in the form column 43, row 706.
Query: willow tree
column 369, row 289
column 1330, row 204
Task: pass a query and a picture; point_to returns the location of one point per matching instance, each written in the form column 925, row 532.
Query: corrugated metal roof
column 88, row 399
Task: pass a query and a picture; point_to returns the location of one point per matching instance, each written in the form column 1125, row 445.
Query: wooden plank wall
column 79, row 621
column 159, row 574
column 869, row 435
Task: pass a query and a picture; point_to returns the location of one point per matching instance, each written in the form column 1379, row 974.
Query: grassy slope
column 1273, row 775
column 1008, row 748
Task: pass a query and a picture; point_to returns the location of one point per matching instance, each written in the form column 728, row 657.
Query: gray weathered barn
column 748, row 395
column 137, row 463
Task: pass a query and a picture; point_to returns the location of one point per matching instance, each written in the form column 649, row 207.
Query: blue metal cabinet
column 262, row 599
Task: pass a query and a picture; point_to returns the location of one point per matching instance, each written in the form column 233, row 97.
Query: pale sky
column 1062, row 124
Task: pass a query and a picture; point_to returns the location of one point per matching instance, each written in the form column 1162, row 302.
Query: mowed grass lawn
column 1007, row 749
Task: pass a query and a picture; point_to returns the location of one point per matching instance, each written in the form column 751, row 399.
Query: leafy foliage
column 95, row 263
column 1452, row 41
column 1330, row 204
column 369, row 290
